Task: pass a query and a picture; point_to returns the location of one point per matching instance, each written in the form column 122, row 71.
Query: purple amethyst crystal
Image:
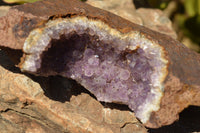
column 115, row 67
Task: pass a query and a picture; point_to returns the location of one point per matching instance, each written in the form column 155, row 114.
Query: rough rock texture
column 180, row 87
column 114, row 67
column 3, row 10
column 25, row 108
column 151, row 18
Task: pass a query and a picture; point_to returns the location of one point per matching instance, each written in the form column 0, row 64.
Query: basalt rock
column 116, row 60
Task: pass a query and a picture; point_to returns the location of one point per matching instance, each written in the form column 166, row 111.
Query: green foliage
column 192, row 7
column 191, row 24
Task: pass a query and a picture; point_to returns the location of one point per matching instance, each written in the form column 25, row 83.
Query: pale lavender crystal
column 108, row 75
column 117, row 70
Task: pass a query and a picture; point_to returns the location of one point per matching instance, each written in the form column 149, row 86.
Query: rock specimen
column 114, row 67
column 25, row 108
column 116, row 60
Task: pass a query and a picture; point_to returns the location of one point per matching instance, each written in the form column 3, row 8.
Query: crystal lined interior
column 115, row 67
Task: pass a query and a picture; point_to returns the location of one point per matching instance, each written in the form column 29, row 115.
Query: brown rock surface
column 4, row 10
column 150, row 18
column 25, row 108
column 123, row 8
column 181, row 87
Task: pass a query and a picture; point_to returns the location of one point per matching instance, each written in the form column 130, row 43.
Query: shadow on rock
column 60, row 89
column 188, row 122
column 6, row 62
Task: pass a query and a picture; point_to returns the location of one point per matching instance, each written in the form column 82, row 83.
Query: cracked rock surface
column 180, row 87
column 25, row 108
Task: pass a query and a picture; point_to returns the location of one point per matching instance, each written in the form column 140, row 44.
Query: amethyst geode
column 118, row 61
column 116, row 67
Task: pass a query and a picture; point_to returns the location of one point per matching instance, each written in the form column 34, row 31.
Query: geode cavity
column 116, row 67
column 48, row 40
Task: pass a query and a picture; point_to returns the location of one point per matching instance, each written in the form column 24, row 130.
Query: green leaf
column 192, row 7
